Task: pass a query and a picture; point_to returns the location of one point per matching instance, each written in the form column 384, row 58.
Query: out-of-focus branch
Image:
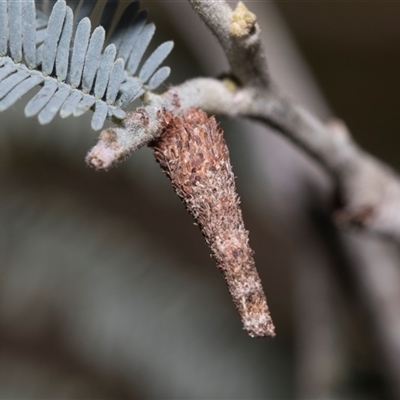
column 376, row 272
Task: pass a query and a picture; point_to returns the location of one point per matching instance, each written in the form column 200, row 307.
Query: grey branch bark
column 369, row 190
column 239, row 36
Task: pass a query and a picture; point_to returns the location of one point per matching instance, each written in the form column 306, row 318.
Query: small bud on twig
column 192, row 152
column 243, row 21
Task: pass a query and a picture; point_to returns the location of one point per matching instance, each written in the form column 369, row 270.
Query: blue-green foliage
column 43, row 43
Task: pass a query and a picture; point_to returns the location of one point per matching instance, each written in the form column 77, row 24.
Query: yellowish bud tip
column 243, row 21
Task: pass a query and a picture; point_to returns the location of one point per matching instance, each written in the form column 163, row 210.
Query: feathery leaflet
column 58, row 50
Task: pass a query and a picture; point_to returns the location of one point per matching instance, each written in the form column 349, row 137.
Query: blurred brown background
column 352, row 49
column 107, row 289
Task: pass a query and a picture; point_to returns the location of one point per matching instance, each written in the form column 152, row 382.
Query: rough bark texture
column 192, row 152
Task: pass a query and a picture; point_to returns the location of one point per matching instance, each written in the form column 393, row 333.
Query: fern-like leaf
column 59, row 51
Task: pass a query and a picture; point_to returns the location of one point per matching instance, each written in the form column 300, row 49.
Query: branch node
column 339, row 128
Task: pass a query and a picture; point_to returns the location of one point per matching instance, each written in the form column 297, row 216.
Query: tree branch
column 239, row 36
column 369, row 190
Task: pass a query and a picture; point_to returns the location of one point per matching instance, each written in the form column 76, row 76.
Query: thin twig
column 239, row 35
